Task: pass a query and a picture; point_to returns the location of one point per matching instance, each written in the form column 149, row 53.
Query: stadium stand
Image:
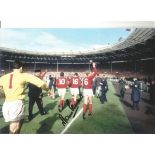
column 136, row 53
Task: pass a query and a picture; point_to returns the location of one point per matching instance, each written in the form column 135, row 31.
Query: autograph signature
column 66, row 118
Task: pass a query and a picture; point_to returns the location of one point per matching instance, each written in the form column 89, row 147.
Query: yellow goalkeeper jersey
column 14, row 84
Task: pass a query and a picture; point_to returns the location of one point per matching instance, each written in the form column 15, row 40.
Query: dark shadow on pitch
column 50, row 106
column 67, row 102
column 34, row 115
column 126, row 103
column 146, row 100
column 78, row 101
column 4, row 130
column 47, row 124
column 136, row 126
column 149, row 111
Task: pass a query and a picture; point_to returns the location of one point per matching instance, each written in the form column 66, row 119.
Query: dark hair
column 76, row 74
column 17, row 64
column 62, row 74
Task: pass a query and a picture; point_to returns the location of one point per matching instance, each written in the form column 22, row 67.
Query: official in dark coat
column 122, row 87
column 104, row 88
column 35, row 95
column 135, row 97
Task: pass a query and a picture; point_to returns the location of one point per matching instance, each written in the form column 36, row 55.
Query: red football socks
column 61, row 103
column 84, row 108
column 73, row 102
column 90, row 108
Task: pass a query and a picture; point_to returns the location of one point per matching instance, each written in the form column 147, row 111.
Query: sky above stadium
column 60, row 40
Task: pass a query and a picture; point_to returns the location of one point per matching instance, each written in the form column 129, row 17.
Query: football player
column 87, row 91
column 75, row 84
column 14, row 84
column 61, row 84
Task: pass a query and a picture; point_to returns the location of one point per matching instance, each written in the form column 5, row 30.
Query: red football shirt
column 88, row 81
column 75, row 82
column 61, row 82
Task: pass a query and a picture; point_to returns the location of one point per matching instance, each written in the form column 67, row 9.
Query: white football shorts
column 88, row 92
column 13, row 110
column 74, row 91
column 61, row 91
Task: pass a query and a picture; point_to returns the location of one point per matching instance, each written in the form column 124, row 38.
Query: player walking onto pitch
column 61, row 84
column 75, row 83
column 87, row 91
column 14, row 84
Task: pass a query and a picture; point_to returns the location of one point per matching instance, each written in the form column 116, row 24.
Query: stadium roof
column 139, row 45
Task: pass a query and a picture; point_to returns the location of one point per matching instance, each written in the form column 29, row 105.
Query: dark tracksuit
column 135, row 97
column 104, row 88
column 122, row 88
column 35, row 96
column 51, row 83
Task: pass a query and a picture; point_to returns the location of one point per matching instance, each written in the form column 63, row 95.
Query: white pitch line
column 70, row 123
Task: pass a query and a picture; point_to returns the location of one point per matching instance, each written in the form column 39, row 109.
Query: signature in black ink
column 66, row 118
column 73, row 112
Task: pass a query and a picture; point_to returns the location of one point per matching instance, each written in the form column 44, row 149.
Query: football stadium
column 127, row 66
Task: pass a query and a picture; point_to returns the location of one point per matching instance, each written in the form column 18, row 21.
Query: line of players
column 14, row 84
column 75, row 83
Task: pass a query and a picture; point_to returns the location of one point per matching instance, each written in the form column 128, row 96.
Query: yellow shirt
column 14, row 84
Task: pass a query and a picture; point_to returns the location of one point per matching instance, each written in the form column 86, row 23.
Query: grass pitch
column 107, row 118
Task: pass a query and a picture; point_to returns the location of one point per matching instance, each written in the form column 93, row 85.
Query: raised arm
column 93, row 74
